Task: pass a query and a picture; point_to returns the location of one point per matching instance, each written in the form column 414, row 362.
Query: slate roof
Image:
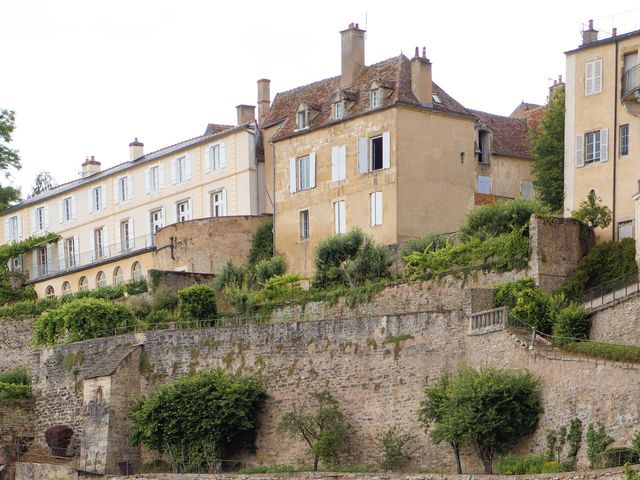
column 394, row 73
column 510, row 135
column 109, row 362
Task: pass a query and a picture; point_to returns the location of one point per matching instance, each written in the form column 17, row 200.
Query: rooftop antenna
column 366, row 25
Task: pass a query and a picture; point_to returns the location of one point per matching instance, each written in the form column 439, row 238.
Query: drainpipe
column 273, row 200
column 615, row 146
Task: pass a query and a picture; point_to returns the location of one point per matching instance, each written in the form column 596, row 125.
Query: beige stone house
column 602, row 128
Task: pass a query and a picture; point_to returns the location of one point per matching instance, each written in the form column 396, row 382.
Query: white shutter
column 223, row 155
column 60, row 211
column 147, row 182
column 46, row 217
column 363, row 157
column 292, row 175
column 90, row 204
column 386, row 150
column 189, row 209
column 161, row 176
column 7, row 236
column 132, row 235
column 312, row 170
column 103, row 197
column 579, row 151
column 597, row 76
column 224, row 202
column 92, row 246
column 163, row 215
column 147, row 223
column 187, row 167
column 207, row 159
column 19, row 222
column 118, row 248
column 76, row 248
column 342, row 170
column 373, row 208
column 49, row 258
column 335, row 164
column 61, row 262
column 378, row 208
column 588, row 78
column 74, row 212
column 130, row 187
column 604, row 145
column 173, row 171
column 34, row 224
column 105, row 241
column 34, row 263
column 116, row 191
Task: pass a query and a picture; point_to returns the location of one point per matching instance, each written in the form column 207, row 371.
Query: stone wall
column 618, row 323
column 176, row 281
column 16, row 420
column 45, row 471
column 205, row 245
column 557, row 245
column 15, row 341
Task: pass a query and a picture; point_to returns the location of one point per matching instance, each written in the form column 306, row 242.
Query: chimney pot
column 424, row 52
column 90, row 166
column 590, row 24
column 357, row 26
column 416, row 54
column 136, row 149
column 614, row 32
column 590, row 35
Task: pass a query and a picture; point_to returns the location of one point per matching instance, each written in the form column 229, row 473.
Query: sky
column 86, row 77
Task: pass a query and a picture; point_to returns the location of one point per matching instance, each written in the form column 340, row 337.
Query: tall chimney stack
column 352, row 54
column 264, row 99
column 246, row 114
column 90, row 167
column 421, row 82
column 136, row 150
column 590, row 35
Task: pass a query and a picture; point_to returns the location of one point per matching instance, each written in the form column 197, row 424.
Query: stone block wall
column 15, row 341
column 617, row 323
column 175, row 281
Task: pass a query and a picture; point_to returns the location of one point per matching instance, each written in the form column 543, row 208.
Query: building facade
column 602, row 128
column 108, row 220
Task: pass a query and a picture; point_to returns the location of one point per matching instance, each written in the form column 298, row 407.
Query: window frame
column 99, row 248
column 596, row 151
column 378, row 139
column 154, row 179
column 40, row 217
column 13, row 227
column 123, row 189
column 597, row 63
column 101, row 279
column 338, row 110
column 181, row 169
column 156, row 223
column 304, row 225
column 136, row 273
column 70, row 251
column 375, row 98
column 65, row 291
column 83, row 284
column 67, row 209
column 300, row 169
column 118, row 279
column 624, row 140
column 622, row 224
column 186, row 213
column 96, row 198
column 125, row 240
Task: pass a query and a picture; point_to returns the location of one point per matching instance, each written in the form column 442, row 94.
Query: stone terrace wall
column 619, row 323
column 15, row 343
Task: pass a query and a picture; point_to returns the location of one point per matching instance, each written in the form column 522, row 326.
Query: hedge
column 608, row 351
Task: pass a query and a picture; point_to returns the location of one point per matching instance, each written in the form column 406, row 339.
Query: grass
column 608, row 351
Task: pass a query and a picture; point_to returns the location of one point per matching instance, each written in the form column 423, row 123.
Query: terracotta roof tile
column 510, row 135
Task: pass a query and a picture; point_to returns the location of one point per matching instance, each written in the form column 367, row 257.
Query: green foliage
column 198, row 302
column 10, row 294
column 571, row 323
column 17, row 376
column 608, row 351
column 230, row 275
column 268, row 469
column 8, row 159
column 616, row 457
column 44, row 181
column 547, row 147
column 574, row 437
column 243, row 301
column 14, row 384
column 507, row 294
column 261, row 244
column 490, row 409
column 506, row 252
column 630, row 474
column 424, row 244
column 500, row 218
column 597, row 441
column 321, row 425
column 141, row 307
column 107, row 292
column 136, row 287
column 195, row 420
column 394, row 444
column 635, row 444
column 82, row 319
column 13, row 249
column 592, row 213
column 349, row 259
column 160, row 319
column 282, row 287
column 265, row 269
column 533, row 306
column 28, row 308
column 165, row 299
column 512, row 464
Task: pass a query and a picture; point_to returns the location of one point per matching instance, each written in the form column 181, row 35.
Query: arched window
column 66, row 288
column 49, row 292
column 83, row 284
column 136, row 271
column 101, row 279
column 118, row 277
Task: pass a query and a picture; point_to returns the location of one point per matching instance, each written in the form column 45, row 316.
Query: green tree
column 490, row 409
column 597, row 441
column 44, row 181
column 196, row 420
column 547, row 147
column 394, row 443
column 8, row 158
column 321, row 424
column 592, row 213
column 261, row 243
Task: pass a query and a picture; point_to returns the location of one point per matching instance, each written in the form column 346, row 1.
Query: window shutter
column 312, row 170
column 46, row 217
column 597, row 76
column 386, row 150
column 34, row 224
column 49, row 258
column 187, row 167
column 335, row 164
column 130, row 187
column 34, row 263
column 189, row 209
column 90, row 203
column 604, row 145
column 579, row 151
column 60, row 211
column 224, row 202
column 147, row 181
column 163, row 217
column 61, row 262
column 343, row 162
column 161, row 176
column 373, row 208
column 76, row 248
column 588, row 78
column 103, row 197
column 132, row 235
column 379, row 208
column 92, row 246
column 292, row 175
column 7, row 234
column 148, row 225
column 363, row 157
column 116, row 191
column 173, row 171
column 207, row 159
column 223, row 155
column 117, row 239
column 105, row 240
column 19, row 232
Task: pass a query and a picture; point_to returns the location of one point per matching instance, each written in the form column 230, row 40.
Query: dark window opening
column 376, row 153
column 624, row 140
column 482, row 150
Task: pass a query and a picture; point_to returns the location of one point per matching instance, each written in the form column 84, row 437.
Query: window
column 593, row 77
column 436, row 98
column 70, row 252
column 43, row 261
column 49, row 292
column 183, row 211
column 374, row 153
column 484, row 184
column 96, row 199
column 302, row 119
column 83, row 284
column 592, row 147
column 624, row 140
column 304, row 224
column 40, row 218
column 68, row 209
column 153, row 179
column 339, row 216
column 13, row 227
column 157, row 220
column 215, row 158
column 125, row 235
column 376, row 208
column 338, row 163
column 218, row 203
column 66, row 288
column 118, row 276
column 625, row 229
column 302, row 172
column 375, row 98
column 592, row 144
column 482, row 148
column 181, row 169
column 15, row 264
column 101, row 279
column 136, row 272
column 526, row 189
column 338, row 110
column 98, row 239
column 123, row 189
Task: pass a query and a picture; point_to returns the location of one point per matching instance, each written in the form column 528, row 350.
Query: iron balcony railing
column 612, row 291
column 630, row 82
column 58, row 263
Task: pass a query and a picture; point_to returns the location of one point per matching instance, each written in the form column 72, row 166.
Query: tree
column 261, row 243
column 394, row 443
column 592, row 213
column 490, row 409
column 547, row 146
column 8, row 158
column 44, row 181
column 196, row 420
column 321, row 425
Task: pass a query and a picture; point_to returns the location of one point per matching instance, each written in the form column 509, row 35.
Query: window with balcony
column 125, row 235
column 70, row 252
column 42, row 256
column 98, row 243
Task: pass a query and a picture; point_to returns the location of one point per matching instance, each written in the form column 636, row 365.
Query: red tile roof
column 510, row 135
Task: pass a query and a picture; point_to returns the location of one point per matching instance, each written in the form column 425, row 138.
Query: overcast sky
column 86, row 77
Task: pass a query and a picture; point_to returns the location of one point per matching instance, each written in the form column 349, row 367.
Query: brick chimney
column 264, row 98
column 90, row 167
column 590, row 35
column 246, row 113
column 421, row 83
column 136, row 149
column 352, row 54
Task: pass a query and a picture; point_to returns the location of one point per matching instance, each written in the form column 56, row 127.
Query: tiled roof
column 510, row 135
column 394, row 73
column 522, row 110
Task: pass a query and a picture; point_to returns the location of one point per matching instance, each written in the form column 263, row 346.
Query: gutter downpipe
column 615, row 146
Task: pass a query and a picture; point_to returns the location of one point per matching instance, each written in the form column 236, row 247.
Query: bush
column 28, row 308
column 230, row 275
column 616, row 457
column 13, row 391
column 428, row 243
column 242, row 300
column 571, row 323
column 108, row 292
column 512, row 464
column 507, row 294
column 160, row 319
column 58, row 438
column 592, row 213
column 198, row 302
column 136, row 287
column 265, row 269
column 608, row 351
column 500, row 218
column 261, row 244
column 533, row 307
column 394, row 444
column 140, row 307
column 349, row 259
column 82, row 319
column 165, row 299
column 597, row 441
column 17, row 376
column 281, row 287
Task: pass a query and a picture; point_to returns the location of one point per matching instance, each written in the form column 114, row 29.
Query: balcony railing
column 630, row 82
column 71, row 263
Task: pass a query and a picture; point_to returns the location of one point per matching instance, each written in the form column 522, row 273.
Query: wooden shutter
column 118, row 239
column 597, row 76
column 292, row 175
column 76, row 248
column 223, row 155
column 116, row 191
column 129, row 187
column 61, row 211
column 579, row 151
column 90, row 204
column 187, row 167
column 74, row 212
column 45, row 212
column 604, row 145
column 132, row 234
column 335, row 164
column 363, row 157
column 92, row 245
column 588, row 78
column 7, row 236
column 161, row 176
column 103, row 197
column 386, row 150
column 105, row 241
column 173, row 171
column 207, row 159
column 147, row 180
column 343, row 162
column 224, row 202
column 19, row 223
column 312, row 170
column 61, row 262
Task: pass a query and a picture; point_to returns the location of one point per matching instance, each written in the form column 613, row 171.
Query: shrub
column 160, row 319
column 500, row 218
column 394, row 444
column 608, row 351
column 17, row 376
column 616, row 457
column 198, row 302
column 107, row 292
column 242, row 300
column 58, row 438
column 630, row 474
column 597, row 441
column 265, row 269
column 512, row 464
column 636, row 443
column 230, row 275
column 428, row 243
column 136, row 287
column 507, row 294
column 281, row 287
column 571, row 323
column 533, row 307
column 140, row 307
column 261, row 244
column 28, row 308
column 13, row 391
column 592, row 213
column 82, row 319
column 165, row 299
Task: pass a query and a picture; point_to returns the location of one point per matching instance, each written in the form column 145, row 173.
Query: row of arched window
column 101, row 280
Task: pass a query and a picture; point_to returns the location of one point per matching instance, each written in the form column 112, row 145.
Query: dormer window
column 302, row 116
column 375, row 98
column 338, row 110
column 436, row 98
